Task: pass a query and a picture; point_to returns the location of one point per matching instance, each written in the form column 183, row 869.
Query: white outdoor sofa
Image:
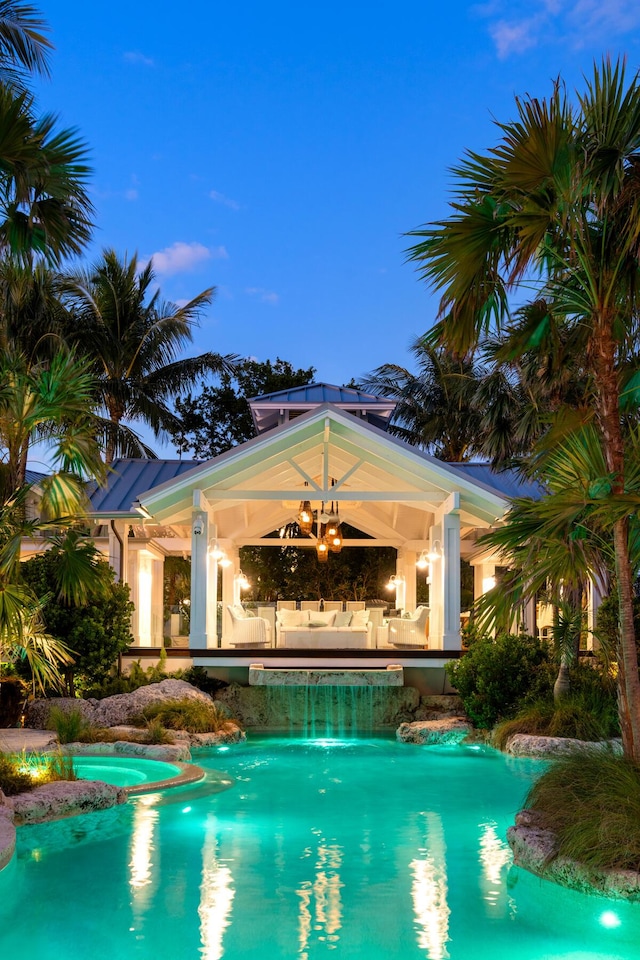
column 310, row 629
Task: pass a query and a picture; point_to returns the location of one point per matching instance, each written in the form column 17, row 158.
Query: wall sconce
column 488, row 583
column 395, row 581
column 241, row 581
column 422, row 563
column 218, row 555
column 435, row 551
column 198, row 524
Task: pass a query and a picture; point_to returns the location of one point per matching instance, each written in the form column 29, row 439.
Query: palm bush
column 195, row 716
column 591, row 802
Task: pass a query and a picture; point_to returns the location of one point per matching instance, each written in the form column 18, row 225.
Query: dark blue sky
column 280, row 150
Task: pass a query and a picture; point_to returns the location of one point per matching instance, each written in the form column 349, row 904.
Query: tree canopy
column 219, row 417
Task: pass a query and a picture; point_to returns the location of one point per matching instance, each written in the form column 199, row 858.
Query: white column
column 212, row 587
column 406, row 568
column 484, row 577
column 444, row 619
column 157, row 602
column 228, row 588
column 529, row 617
column 451, row 578
column 199, row 571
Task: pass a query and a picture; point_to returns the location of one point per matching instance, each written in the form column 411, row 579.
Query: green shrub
column 96, row 631
column 195, row 716
column 156, row 732
column 57, row 766
column 14, row 778
column 495, row 676
column 591, row 802
column 69, row 725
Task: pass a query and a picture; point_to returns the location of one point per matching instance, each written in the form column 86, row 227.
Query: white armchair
column 248, row 631
column 410, row 631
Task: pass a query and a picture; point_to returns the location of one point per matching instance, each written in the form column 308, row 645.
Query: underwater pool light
column 609, row 919
column 186, row 809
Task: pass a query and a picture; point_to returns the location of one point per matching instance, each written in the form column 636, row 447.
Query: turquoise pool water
column 346, row 849
column 124, row 771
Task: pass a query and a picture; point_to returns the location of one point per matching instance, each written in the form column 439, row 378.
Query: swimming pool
column 125, row 771
column 339, row 849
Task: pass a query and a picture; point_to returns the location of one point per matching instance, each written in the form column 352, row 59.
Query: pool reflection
column 429, row 890
column 320, row 899
column 216, row 895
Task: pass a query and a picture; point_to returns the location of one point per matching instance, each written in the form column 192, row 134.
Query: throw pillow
column 292, row 618
column 343, row 619
column 360, row 619
column 316, row 623
column 326, row 619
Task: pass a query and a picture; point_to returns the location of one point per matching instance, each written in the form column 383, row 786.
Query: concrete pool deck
column 17, row 739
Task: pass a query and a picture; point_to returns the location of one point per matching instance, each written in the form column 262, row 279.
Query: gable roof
column 383, row 486
column 270, row 409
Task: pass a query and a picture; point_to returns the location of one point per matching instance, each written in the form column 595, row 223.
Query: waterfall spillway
column 318, row 711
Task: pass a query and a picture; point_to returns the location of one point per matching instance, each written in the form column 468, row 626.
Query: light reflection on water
column 429, row 891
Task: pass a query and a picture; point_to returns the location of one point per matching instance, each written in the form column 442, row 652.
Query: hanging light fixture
column 305, row 518
column 334, row 530
column 422, row 563
column 322, row 550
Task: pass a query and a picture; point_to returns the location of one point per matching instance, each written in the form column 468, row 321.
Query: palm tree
column 133, row 339
column 436, row 409
column 45, row 210
column 557, row 199
column 24, row 48
column 32, row 315
column 50, row 402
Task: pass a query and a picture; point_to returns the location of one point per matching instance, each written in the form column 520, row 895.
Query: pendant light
column 305, row 518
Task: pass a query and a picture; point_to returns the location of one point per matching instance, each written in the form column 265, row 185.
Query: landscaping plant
column 195, row 716
column 591, row 802
column 495, row 676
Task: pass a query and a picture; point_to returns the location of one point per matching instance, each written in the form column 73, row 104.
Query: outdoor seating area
column 338, row 626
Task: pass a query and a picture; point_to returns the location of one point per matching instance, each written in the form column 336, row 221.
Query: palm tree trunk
column 608, row 401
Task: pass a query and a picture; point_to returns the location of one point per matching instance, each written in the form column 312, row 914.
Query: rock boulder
column 445, row 730
column 116, row 710
column 65, row 799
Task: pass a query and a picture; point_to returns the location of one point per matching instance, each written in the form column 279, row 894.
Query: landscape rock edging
column 64, row 798
column 530, row 745
column 535, row 849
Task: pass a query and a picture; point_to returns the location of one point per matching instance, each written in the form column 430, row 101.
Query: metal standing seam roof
column 508, row 483
column 315, row 393
column 35, row 476
column 128, row 478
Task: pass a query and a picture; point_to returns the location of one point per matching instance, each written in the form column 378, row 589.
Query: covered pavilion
column 319, row 443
